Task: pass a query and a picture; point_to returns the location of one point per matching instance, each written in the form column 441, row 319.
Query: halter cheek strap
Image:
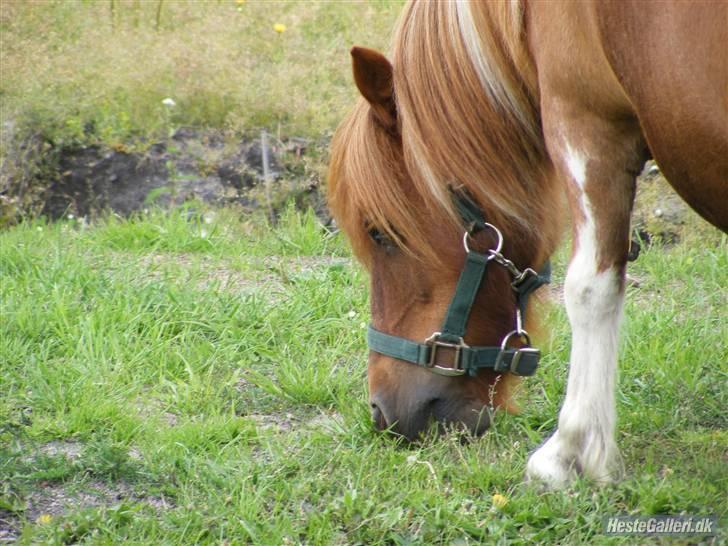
column 445, row 352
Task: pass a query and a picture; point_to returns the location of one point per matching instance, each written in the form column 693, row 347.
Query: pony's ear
column 373, row 77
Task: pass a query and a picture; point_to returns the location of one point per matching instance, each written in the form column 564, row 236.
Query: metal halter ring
column 492, row 251
column 522, row 334
column 518, row 354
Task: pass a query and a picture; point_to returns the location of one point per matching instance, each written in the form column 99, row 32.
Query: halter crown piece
column 447, row 345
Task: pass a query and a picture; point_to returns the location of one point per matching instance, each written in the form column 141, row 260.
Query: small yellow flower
column 240, row 2
column 499, row 501
column 43, row 519
column 279, row 28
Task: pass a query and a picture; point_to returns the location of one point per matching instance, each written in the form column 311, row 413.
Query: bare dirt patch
column 69, row 449
column 287, row 422
column 58, row 499
column 51, row 500
column 54, row 500
column 208, row 165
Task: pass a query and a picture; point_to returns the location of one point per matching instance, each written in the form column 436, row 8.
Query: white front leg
column 584, row 442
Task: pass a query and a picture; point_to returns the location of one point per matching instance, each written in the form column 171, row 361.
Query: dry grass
column 82, row 72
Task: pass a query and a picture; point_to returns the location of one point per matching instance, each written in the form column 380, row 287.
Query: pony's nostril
column 378, row 417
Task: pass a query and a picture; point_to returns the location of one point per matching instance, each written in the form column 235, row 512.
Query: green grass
column 204, row 378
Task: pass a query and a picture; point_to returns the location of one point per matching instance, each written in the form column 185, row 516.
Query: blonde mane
column 468, row 120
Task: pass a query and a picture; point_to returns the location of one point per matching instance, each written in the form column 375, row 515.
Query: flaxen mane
column 468, row 119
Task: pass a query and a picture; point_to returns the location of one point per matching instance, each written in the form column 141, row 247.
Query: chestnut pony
column 509, row 109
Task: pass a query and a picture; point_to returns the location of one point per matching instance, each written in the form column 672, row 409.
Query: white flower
column 169, row 102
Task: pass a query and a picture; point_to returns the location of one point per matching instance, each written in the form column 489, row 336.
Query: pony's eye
column 383, row 239
column 378, row 237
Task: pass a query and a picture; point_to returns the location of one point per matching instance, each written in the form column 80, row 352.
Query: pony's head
column 397, row 161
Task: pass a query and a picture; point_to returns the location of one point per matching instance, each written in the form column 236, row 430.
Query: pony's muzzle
column 426, row 415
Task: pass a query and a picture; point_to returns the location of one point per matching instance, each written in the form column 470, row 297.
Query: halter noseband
column 466, row 359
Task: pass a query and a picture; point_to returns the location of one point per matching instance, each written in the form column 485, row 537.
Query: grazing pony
column 452, row 174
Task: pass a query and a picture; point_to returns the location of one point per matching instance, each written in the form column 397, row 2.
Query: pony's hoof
column 557, row 465
column 548, row 466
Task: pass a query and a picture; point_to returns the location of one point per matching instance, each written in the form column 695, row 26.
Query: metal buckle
column 433, row 342
column 517, row 357
column 513, row 368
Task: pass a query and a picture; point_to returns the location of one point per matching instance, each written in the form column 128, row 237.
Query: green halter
column 447, row 344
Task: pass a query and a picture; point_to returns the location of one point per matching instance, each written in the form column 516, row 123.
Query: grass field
column 191, row 378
